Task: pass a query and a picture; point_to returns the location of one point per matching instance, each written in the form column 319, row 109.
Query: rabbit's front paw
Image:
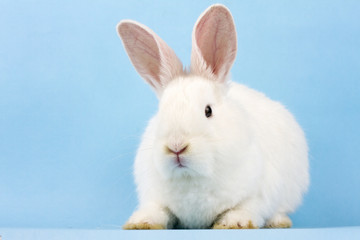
column 151, row 217
column 237, row 219
column 142, row 225
column 279, row 221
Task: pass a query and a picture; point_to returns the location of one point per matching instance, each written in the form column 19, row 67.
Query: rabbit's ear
column 214, row 43
column 154, row 60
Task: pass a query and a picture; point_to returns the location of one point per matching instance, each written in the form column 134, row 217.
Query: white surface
column 89, row 234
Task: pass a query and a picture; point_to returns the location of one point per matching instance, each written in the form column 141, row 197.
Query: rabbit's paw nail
column 142, row 225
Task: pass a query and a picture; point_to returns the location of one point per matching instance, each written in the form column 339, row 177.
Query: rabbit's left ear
column 214, row 43
column 153, row 59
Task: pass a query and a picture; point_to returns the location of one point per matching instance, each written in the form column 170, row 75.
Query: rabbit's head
column 197, row 125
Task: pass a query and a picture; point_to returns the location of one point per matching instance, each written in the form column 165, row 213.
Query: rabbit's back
column 281, row 143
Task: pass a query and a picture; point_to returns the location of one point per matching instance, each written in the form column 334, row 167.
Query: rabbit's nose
column 177, row 150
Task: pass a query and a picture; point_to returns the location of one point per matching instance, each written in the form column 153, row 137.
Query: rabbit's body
column 217, row 153
column 269, row 169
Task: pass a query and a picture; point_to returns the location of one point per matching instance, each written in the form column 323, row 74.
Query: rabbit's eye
column 208, row 111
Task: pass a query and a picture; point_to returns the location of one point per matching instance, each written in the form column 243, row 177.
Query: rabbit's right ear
column 152, row 58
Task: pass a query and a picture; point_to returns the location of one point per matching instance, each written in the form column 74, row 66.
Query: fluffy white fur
column 245, row 166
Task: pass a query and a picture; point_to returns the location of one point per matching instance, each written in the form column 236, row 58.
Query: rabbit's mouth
column 180, row 161
column 178, row 155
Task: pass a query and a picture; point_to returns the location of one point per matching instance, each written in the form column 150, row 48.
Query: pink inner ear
column 216, row 38
column 143, row 52
column 154, row 60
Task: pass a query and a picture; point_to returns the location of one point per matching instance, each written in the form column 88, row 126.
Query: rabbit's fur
column 244, row 166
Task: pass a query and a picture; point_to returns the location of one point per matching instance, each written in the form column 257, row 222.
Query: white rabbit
column 217, row 154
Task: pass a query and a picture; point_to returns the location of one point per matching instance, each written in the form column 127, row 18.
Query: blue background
column 72, row 107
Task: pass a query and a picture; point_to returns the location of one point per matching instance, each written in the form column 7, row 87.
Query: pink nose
column 177, row 152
